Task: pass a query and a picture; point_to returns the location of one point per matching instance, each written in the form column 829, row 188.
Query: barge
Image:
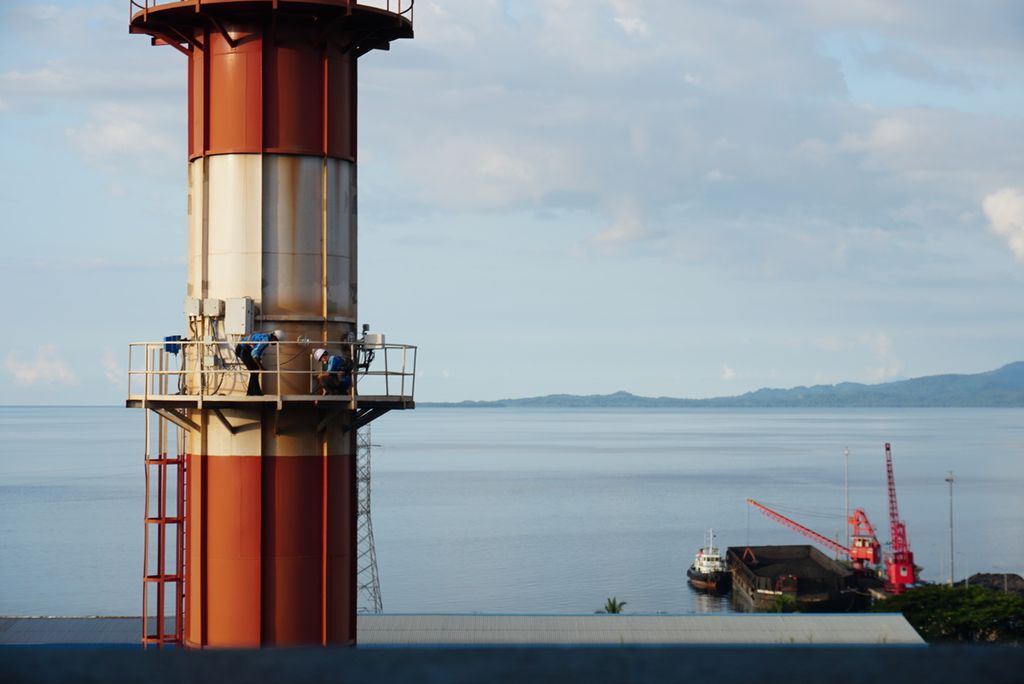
column 794, row 578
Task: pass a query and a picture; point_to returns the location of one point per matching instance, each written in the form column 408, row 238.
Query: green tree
column 784, row 603
column 612, row 606
column 975, row 614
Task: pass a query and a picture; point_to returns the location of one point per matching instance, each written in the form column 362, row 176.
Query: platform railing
column 199, row 370
column 402, row 8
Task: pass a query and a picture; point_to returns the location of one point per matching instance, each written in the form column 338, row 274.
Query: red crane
column 899, row 565
column 864, row 548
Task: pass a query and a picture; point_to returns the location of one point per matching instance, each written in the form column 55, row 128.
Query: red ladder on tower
column 163, row 579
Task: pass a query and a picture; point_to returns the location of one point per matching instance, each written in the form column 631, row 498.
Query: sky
column 667, row 197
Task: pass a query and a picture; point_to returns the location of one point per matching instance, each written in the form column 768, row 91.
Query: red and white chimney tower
column 270, row 508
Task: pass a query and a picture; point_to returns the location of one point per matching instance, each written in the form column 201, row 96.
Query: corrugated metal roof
column 518, row 630
column 800, row 629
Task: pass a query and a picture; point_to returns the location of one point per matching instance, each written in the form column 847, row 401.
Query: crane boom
column 809, row 533
column 897, row 529
column 900, row 570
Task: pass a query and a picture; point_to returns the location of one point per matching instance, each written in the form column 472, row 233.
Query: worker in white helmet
column 249, row 351
column 335, row 374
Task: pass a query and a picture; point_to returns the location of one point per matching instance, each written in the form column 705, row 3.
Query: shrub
column 973, row 614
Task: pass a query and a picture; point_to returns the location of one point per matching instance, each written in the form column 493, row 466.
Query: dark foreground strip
column 724, row 665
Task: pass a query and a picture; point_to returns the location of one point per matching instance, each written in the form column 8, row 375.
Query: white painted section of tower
column 266, row 227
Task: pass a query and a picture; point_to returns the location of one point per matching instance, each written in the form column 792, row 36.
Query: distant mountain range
column 1003, row 387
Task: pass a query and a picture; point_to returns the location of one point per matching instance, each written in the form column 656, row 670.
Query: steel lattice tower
column 368, row 581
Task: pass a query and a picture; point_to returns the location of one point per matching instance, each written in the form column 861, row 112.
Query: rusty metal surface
column 293, row 199
column 234, row 93
column 270, row 545
column 272, row 80
column 137, row 8
column 342, row 237
column 269, row 534
column 258, row 225
column 381, row 20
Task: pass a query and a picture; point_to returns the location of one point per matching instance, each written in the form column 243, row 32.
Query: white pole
column 846, row 491
column 950, row 479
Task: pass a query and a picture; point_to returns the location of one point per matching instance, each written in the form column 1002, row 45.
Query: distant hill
column 1003, row 387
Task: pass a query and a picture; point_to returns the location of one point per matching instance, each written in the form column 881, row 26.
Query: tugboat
column 709, row 571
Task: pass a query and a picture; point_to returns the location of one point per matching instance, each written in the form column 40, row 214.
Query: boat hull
column 709, row 581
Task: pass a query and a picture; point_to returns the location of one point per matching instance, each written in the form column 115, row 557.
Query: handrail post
column 277, row 360
column 200, row 359
column 312, row 375
column 401, row 390
column 353, row 359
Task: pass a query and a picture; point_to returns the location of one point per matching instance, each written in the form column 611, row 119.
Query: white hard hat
column 279, row 334
column 319, row 354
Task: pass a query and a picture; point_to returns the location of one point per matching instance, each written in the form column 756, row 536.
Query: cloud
column 84, row 265
column 876, row 349
column 627, row 226
column 625, row 229
column 125, row 137
column 829, row 343
column 91, row 82
column 113, row 371
column 728, row 373
column 627, row 17
column 912, row 65
column 885, row 366
column 566, row 107
column 465, row 172
column 886, row 135
column 39, row 81
column 1004, row 210
column 47, row 369
column 891, row 371
column 40, row 12
column 813, row 149
column 880, row 343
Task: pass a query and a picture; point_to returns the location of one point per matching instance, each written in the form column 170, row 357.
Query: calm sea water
column 517, row 510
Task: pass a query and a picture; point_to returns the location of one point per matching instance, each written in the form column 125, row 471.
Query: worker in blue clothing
column 249, row 351
column 335, row 376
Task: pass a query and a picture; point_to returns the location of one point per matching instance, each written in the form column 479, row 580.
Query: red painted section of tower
column 275, row 76
column 277, row 93
column 274, row 551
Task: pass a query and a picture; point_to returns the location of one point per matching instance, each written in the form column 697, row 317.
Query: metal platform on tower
column 174, row 377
